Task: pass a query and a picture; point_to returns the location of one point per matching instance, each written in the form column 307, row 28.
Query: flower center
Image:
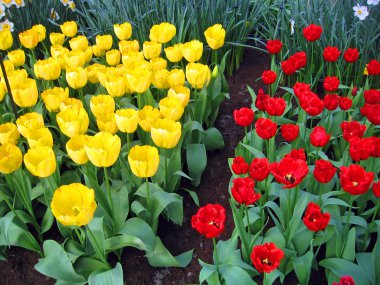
column 266, row 262
column 355, row 183
column 290, row 178
column 76, row 210
column 212, row 223
column 360, row 12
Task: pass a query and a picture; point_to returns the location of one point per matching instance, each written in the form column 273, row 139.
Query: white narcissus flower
column 373, row 2
column 6, row 25
column 2, row 11
column 360, row 11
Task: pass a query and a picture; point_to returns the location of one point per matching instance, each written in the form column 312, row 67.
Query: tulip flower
column 70, row 102
column 9, row 133
column 174, row 53
column 243, row 191
column 198, row 75
column 79, row 43
column 75, row 149
column 40, row 161
column 138, row 80
column 266, row 257
column 69, row 29
column 104, row 42
column 17, row 57
column 10, row 158
column 160, row 79
column 166, row 133
column 314, row 219
column 116, row 85
column 101, row 105
column 107, row 123
column 48, row 69
column 53, row 98
column 113, row 57
column 239, row 165
column 192, row 51
column 176, row 77
column 25, row 93
column 123, row 31
column 171, row 108
column 127, row 120
column 41, row 31
column 162, row 33
column 29, row 122
column 215, row 36
column 125, row 46
column 289, row 171
column 182, row 93
column 147, row 116
column 144, row 160
column 209, row 220
column 29, row 38
column 152, row 49
column 73, row 121
column 6, row 39
column 158, row 63
column 259, row 169
column 56, row 39
column 74, row 59
column 40, row 137
column 76, row 77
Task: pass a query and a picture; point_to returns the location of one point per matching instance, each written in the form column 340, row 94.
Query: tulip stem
column 166, row 168
column 128, row 142
column 346, row 228
column 147, row 194
column 216, row 256
column 265, row 281
column 108, row 190
column 248, row 223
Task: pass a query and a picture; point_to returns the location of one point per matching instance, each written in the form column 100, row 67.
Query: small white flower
column 72, row 5
column 65, row 2
column 292, row 22
column 373, row 2
column 53, row 15
column 19, row 3
column 361, row 12
column 6, row 25
column 8, row 3
column 2, row 11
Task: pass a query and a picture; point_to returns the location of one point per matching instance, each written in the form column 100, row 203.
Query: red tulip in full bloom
column 261, row 99
column 376, row 189
column 331, row 83
column 355, row 180
column 274, row 46
column 209, row 220
column 290, row 132
column 265, row 128
column 312, row 32
column 269, row 77
column 239, row 166
column 372, row 112
column 331, row 54
column 352, row 129
column 372, row 96
column 288, row 66
column 275, row 106
column 300, row 59
column 314, row 219
column 345, row 280
column 373, row 67
column 319, row 137
column 300, row 88
column 345, row 103
column 331, row 101
column 311, row 103
column 361, row 148
column 324, row 171
column 259, row 169
column 243, row 191
column 351, row 55
column 244, row 116
column 266, row 257
column 289, row 171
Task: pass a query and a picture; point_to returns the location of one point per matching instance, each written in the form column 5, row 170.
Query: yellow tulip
column 53, row 98
column 74, row 59
column 40, row 137
column 92, row 72
column 14, row 77
column 69, row 29
column 75, row 149
column 28, row 123
column 182, row 93
column 98, row 51
column 138, row 80
column 10, row 158
column 160, row 79
column 174, row 53
column 29, row 38
column 123, row 31
column 101, row 105
column 6, row 39
column 104, row 41
column 40, row 161
column 102, row 149
column 76, row 77
column 73, row 205
column 57, row 39
column 8, row 67
column 58, row 51
column 88, row 53
column 158, row 63
column 107, row 123
column 130, row 58
column 9, row 133
column 47, row 69
column 17, row 57
column 198, row 74
column 113, row 57
column 73, row 121
column 125, row 46
column 192, row 51
column 70, row 102
column 127, row 120
column 143, row 160
column 171, row 108
column 152, row 49
column 147, row 116
column 176, row 77
column 115, row 85
column 2, row 92
column 165, row 133
column 162, row 33
column 215, row 36
column 41, row 31
column 79, row 43
column 25, row 94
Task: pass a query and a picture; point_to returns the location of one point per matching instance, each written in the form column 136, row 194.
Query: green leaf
column 366, row 265
column 235, row 275
column 254, row 151
column 196, row 159
column 85, row 266
column 348, row 252
column 140, row 229
column 193, row 195
column 121, row 206
column 56, row 264
column 302, row 267
column 47, row 221
column 213, row 139
column 183, row 174
column 113, row 276
column 96, row 236
column 121, row 241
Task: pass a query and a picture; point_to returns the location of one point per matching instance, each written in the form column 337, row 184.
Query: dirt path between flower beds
column 19, row 269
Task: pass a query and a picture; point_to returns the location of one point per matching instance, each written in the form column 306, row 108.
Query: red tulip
column 354, row 91
column 311, row 103
column 274, row 46
column 345, row 280
column 243, row 191
column 361, row 148
column 324, row 171
column 289, row 171
column 373, row 67
column 351, row 55
column 352, row 129
column 300, row 59
column 312, row 32
column 259, row 169
column 376, row 189
column 266, row 257
column 376, row 149
column 300, row 88
column 372, row 112
column 331, row 54
column 275, row 106
column 209, row 220
column 319, row 137
column 288, row 66
column 314, row 220
column 260, row 100
column 372, row 96
column 331, row 101
column 244, row 116
column 265, row 128
column 239, row 166
column 297, row 154
column 355, row 180
column 289, row 132
column 269, row 77
column 345, row 103
column 331, row 83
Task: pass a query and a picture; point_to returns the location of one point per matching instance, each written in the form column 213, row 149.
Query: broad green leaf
column 213, row 139
column 302, row 267
column 113, row 276
column 254, row 151
column 196, row 158
column 85, row 266
column 348, row 251
column 366, row 265
column 235, row 275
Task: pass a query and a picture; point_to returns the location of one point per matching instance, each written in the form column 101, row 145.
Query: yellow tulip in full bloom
column 176, row 77
column 47, row 69
column 160, row 79
column 102, row 104
column 9, row 133
column 41, row 31
column 113, row 57
column 147, row 116
column 40, row 161
column 29, row 38
column 152, row 49
column 69, row 29
column 73, row 205
column 162, row 33
column 125, row 46
column 192, row 51
column 79, row 43
column 123, row 31
column 107, row 123
column 70, row 102
column 174, row 53
column 139, row 80
column 73, row 121
column 56, row 39
column 181, row 93
column 143, row 160
column 29, row 122
column 171, row 108
column 6, row 39
column 53, row 98
column 10, row 158
column 76, row 77
column 215, row 36
column 17, row 57
column 75, row 149
column 198, row 74
column 104, row 41
column 158, row 63
column 127, row 120
column 25, row 93
column 165, row 133
column 40, row 137
column 103, row 149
